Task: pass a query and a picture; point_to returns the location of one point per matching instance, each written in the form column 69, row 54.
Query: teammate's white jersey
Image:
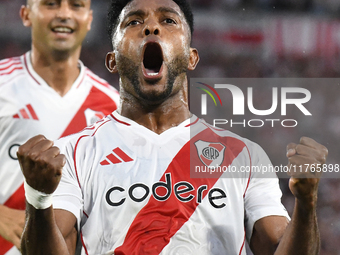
column 131, row 190
column 28, row 107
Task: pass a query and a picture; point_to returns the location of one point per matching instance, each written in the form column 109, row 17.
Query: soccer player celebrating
column 124, row 186
column 46, row 91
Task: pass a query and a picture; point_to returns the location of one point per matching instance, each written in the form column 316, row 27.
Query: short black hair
column 117, row 6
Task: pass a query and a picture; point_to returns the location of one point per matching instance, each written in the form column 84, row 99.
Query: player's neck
column 58, row 73
column 157, row 118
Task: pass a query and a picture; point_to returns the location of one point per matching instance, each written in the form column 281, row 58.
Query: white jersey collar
column 26, row 59
column 128, row 122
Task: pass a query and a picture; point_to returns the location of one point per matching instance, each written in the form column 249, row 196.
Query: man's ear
column 194, row 59
column 110, row 62
column 90, row 19
column 24, row 14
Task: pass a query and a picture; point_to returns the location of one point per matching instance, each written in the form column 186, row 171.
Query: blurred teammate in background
column 46, row 91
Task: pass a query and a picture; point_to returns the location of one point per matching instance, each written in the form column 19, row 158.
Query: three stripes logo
column 204, row 97
column 117, row 156
column 26, row 113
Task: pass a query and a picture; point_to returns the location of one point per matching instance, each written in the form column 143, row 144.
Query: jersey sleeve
column 8, row 100
column 263, row 195
column 68, row 195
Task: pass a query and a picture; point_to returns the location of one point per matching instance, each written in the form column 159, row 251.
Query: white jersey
column 28, row 107
column 132, row 193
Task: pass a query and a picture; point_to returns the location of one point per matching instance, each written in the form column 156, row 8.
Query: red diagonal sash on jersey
column 16, row 201
column 158, row 221
column 96, row 101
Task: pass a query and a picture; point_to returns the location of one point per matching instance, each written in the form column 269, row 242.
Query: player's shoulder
column 86, row 136
column 221, row 134
column 10, row 69
column 101, row 85
column 98, row 81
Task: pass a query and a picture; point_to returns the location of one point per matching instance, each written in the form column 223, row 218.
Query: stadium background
column 246, row 39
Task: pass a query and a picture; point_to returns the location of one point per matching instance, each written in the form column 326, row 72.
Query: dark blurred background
column 245, row 39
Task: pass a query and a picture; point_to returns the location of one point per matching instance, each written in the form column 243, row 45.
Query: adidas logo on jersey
column 26, row 113
column 118, row 156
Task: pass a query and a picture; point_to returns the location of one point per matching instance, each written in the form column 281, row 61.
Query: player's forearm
column 12, row 223
column 3, row 210
column 41, row 234
column 302, row 234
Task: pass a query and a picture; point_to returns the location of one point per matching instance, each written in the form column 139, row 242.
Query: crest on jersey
column 92, row 116
column 211, row 154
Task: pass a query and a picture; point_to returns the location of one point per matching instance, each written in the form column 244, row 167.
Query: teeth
column 152, row 74
column 62, row 30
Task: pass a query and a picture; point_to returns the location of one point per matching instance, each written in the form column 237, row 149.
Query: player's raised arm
column 302, row 234
column 47, row 231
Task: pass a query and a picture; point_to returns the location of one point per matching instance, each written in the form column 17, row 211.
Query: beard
column 128, row 69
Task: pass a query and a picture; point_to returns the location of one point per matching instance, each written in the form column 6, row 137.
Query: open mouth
column 153, row 60
column 65, row 30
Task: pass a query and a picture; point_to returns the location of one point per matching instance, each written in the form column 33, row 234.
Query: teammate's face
column 59, row 25
column 152, row 49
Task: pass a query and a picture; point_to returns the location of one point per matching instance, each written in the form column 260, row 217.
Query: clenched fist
column 41, row 164
column 303, row 159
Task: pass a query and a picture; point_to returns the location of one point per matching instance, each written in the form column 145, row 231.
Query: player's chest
column 126, row 182
column 130, row 172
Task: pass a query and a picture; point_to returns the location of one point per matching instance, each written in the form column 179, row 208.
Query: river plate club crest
column 211, row 154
